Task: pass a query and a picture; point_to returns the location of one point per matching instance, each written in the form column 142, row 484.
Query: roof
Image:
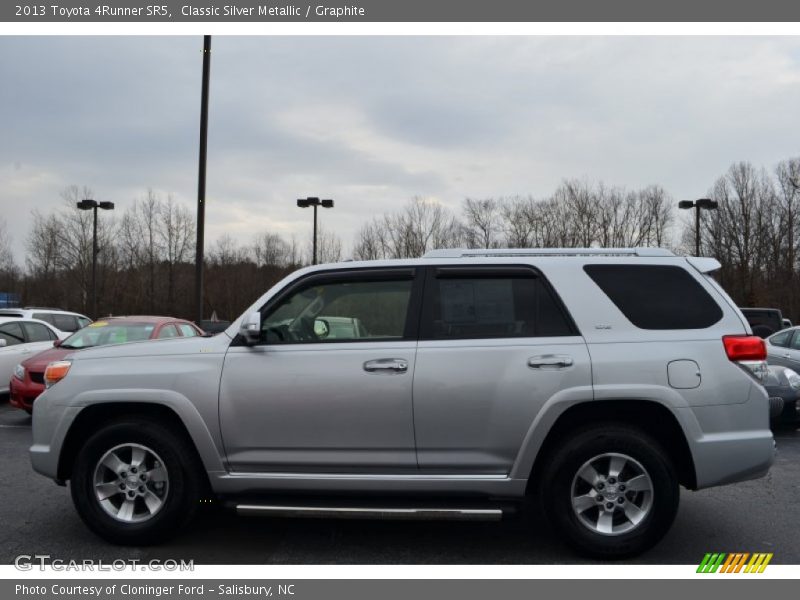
column 142, row 319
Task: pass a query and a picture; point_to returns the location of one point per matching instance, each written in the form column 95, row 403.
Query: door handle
column 386, row 365
column 550, row 361
column 787, row 355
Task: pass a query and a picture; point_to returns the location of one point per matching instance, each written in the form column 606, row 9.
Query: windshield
column 102, row 333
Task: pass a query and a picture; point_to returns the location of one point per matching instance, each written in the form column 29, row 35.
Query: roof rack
column 43, row 308
column 500, row 252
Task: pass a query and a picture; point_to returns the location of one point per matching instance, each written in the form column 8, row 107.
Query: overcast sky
column 374, row 121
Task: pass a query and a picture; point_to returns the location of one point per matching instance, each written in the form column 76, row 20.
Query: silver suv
column 590, row 383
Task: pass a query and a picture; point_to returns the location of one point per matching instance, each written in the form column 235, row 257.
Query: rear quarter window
column 657, row 296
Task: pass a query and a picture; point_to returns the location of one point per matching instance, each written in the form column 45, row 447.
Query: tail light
column 748, row 351
column 745, row 347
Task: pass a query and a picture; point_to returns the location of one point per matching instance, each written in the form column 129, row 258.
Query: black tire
column 184, row 481
column 565, row 461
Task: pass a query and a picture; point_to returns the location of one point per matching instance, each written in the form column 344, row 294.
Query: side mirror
column 3, row 342
column 56, row 343
column 322, row 328
column 250, row 328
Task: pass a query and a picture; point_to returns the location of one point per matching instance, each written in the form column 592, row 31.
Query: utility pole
column 201, row 182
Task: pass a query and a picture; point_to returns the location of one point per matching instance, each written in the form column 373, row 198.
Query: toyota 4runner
column 591, row 383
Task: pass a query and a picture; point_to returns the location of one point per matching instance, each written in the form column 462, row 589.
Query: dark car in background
column 28, row 379
column 764, row 321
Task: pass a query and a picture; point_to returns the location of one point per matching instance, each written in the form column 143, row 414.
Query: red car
column 28, row 380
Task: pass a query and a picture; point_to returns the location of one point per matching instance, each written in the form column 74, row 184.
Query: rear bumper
column 728, row 458
column 731, row 442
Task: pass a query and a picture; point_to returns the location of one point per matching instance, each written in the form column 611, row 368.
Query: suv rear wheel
column 611, row 491
column 132, row 483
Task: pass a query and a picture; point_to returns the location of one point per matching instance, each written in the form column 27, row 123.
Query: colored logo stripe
column 711, row 563
column 734, row 562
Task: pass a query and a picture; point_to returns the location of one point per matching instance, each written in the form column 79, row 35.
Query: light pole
column 201, row 183
column 93, row 205
column 698, row 205
column 315, row 202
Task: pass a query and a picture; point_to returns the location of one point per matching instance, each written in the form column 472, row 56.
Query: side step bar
column 342, row 512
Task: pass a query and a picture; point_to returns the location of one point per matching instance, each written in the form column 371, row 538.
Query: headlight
column 793, row 378
column 56, row 371
column 19, row 372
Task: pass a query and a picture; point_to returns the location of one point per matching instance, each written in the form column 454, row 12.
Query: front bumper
column 50, row 425
column 23, row 393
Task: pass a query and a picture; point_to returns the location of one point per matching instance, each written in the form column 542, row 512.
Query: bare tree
column 176, row 234
column 271, row 249
column 329, row 247
column 482, row 223
column 421, row 226
column 139, row 240
column 43, row 258
column 6, row 255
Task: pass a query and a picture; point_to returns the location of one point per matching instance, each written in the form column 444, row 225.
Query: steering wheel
column 305, row 331
column 280, row 331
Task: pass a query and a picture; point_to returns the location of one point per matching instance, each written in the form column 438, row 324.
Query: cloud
column 373, row 121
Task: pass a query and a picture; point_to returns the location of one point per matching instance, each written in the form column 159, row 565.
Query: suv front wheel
column 132, row 482
column 611, row 491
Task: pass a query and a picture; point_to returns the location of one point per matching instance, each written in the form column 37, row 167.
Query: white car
column 62, row 320
column 20, row 339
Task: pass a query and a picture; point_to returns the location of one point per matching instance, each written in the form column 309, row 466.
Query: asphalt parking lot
column 36, row 517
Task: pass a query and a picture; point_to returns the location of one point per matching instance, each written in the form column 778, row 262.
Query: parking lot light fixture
column 93, row 205
column 315, row 202
column 698, row 205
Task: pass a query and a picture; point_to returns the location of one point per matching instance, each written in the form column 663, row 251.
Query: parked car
column 63, row 320
column 783, row 386
column 594, row 382
column 786, row 323
column 28, row 380
column 19, row 339
column 764, row 321
column 783, row 348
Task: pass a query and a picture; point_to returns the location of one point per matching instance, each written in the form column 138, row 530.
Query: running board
column 342, row 512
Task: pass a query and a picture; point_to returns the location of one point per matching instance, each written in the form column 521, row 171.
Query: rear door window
column 36, row 332
column 46, row 317
column 65, row 322
column 657, row 296
column 496, row 302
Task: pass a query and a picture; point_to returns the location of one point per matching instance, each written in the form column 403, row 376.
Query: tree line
column 146, row 257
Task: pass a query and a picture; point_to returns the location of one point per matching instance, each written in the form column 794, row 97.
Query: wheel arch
column 650, row 416
column 96, row 414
